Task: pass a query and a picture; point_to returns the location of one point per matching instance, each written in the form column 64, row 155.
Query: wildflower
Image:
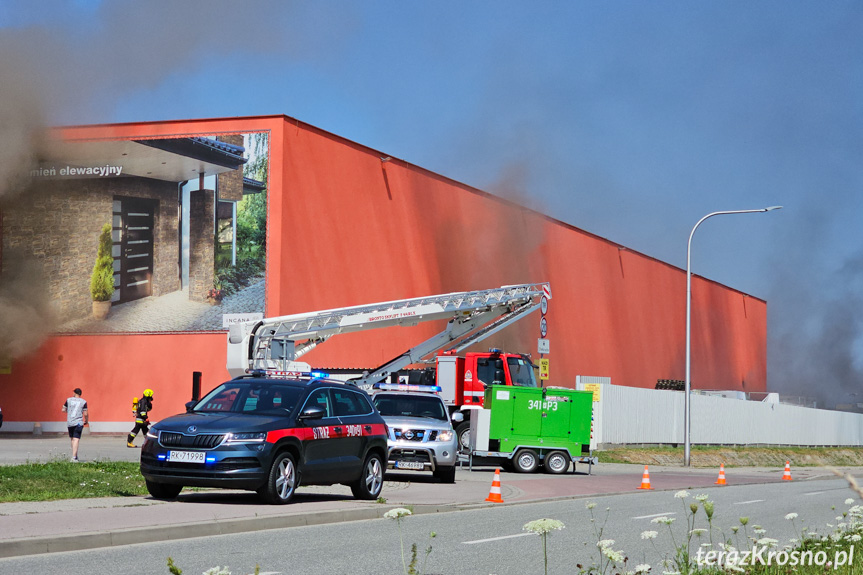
column 543, row 526
column 735, row 528
column 759, row 531
column 663, row 520
column 849, row 501
column 612, row 555
column 855, row 538
column 735, row 568
column 433, row 534
column 590, row 505
column 767, row 541
column 397, row 513
column 744, row 520
column 693, row 507
column 702, row 497
column 642, row 568
column 217, row 571
column 698, row 532
column 708, row 509
column 602, row 544
column 681, row 494
column 791, row 516
column 649, row 534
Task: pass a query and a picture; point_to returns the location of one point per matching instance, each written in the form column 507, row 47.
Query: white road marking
column 748, row 502
column 667, row 513
column 814, row 493
column 496, row 538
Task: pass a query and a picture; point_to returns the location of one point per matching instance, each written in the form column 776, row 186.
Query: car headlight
column 152, row 434
column 444, row 435
column 251, row 437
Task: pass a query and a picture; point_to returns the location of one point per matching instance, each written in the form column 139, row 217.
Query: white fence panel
column 636, row 415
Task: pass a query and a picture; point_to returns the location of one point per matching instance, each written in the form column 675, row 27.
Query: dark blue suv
column 270, row 436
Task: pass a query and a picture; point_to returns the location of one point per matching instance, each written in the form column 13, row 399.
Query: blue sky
column 628, row 119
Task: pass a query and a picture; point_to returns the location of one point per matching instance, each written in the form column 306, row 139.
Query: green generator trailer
column 525, row 428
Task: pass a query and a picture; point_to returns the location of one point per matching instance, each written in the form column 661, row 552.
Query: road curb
column 153, row 534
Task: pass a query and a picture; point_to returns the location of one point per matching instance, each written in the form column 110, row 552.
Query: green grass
column 66, row 480
column 736, row 456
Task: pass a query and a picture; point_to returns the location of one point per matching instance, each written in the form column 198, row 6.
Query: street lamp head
column 771, row 208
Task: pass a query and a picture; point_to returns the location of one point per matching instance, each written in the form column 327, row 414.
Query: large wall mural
column 147, row 235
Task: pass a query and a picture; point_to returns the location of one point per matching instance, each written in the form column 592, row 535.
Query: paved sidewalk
column 41, row 527
column 172, row 312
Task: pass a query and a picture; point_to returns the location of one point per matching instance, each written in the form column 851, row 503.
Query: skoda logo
column 192, row 429
column 408, row 434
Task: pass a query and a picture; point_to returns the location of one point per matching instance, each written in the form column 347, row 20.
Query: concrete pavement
column 42, row 527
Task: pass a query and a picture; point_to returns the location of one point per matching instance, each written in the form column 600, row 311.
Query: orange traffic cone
column 721, row 480
column 645, row 480
column 787, row 475
column 494, row 494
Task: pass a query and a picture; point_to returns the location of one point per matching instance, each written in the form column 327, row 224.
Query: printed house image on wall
column 163, row 199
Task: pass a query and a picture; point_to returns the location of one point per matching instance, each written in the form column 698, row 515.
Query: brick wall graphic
column 136, row 187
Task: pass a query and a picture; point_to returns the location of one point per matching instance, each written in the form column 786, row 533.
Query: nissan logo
column 408, row 434
column 192, row 429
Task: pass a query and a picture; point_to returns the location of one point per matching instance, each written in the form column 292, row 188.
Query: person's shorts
column 75, row 431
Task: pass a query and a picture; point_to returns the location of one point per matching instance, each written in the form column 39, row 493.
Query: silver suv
column 421, row 437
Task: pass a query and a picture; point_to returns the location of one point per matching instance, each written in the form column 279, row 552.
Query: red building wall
column 346, row 227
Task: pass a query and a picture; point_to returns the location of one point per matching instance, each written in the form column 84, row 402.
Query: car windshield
column 411, row 406
column 521, row 371
column 250, row 397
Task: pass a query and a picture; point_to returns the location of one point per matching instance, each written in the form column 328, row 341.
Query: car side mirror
column 190, row 406
column 458, row 417
column 313, row 412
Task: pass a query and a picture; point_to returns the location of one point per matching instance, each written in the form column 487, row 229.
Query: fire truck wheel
column 163, row 490
column 526, row 461
column 556, row 462
column 281, row 482
column 369, row 485
column 462, row 433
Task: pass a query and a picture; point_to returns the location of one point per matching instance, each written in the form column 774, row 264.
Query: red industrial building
column 345, row 225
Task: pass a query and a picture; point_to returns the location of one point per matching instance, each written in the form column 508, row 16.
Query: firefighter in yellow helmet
column 141, row 409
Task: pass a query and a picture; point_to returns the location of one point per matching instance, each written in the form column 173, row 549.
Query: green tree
column 252, row 209
column 102, row 279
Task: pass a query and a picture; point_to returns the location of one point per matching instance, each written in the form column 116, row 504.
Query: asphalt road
column 471, row 541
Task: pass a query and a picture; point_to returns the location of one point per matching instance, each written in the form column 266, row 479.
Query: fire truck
column 275, row 344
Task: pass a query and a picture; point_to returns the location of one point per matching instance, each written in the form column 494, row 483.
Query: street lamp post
column 687, row 382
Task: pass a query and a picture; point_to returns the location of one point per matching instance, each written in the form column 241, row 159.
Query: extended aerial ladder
column 276, row 343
